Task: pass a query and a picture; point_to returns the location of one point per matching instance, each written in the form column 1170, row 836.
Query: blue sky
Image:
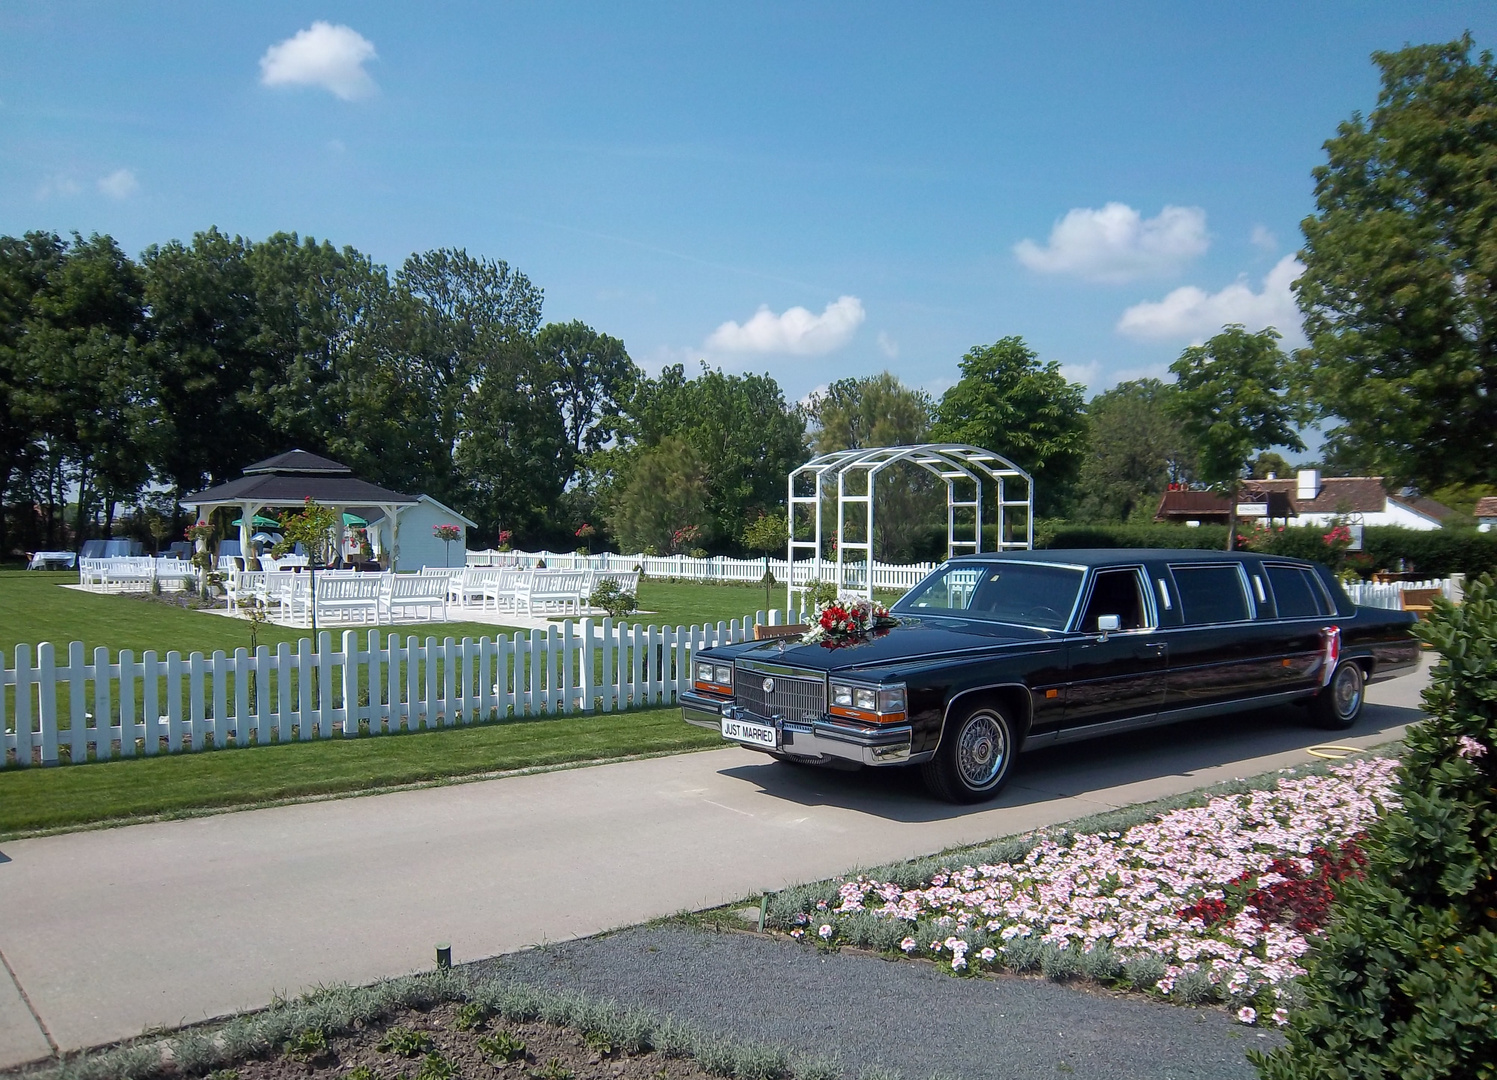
column 811, row 190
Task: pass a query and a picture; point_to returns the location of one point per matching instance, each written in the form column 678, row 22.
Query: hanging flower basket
column 846, row 620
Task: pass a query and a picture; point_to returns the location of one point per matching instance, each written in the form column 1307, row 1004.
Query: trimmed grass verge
column 115, row 792
column 310, row 1036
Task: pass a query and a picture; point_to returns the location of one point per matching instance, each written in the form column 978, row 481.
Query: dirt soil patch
column 443, row 1044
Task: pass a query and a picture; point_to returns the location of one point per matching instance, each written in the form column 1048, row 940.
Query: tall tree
column 1136, row 449
column 212, row 374
column 663, row 493
column 592, row 375
column 1233, row 398
column 1400, row 284
column 1009, row 402
column 878, row 410
column 740, row 425
column 25, row 264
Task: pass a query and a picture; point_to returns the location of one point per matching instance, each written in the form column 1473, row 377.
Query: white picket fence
column 717, row 568
column 1387, row 594
column 56, row 710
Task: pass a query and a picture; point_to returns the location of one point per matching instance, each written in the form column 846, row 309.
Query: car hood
column 912, row 639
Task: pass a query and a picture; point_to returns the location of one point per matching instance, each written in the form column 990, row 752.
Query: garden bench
column 346, row 593
column 544, row 588
column 1419, row 601
column 415, row 591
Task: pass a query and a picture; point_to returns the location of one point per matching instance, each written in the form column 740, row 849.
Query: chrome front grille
column 791, row 697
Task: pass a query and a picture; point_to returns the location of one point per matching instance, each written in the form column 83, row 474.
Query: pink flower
column 908, row 945
column 825, row 932
column 987, row 956
column 1247, row 1015
column 1469, row 748
column 1280, row 1017
column 797, row 934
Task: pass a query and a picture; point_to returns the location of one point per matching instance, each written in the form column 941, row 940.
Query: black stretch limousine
column 994, row 654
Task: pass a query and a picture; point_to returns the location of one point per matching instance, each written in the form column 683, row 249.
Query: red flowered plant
column 199, row 530
column 446, row 533
column 1285, row 892
column 585, row 531
column 684, row 537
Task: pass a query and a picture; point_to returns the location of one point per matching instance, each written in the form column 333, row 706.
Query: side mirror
column 1107, row 624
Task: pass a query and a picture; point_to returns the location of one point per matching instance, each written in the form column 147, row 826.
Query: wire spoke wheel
column 981, row 750
column 1339, row 704
column 974, row 757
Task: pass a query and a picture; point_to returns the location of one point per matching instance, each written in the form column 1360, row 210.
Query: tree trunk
column 108, row 511
column 78, row 533
column 1232, row 516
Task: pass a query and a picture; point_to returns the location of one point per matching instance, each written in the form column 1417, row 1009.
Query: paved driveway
column 106, row 933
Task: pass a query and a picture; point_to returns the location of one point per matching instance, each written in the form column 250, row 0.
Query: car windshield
column 1028, row 594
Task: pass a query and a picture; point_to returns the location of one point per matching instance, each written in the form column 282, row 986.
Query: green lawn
column 116, row 791
column 36, row 609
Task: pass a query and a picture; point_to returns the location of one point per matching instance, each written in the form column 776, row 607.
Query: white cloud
column 323, row 55
column 1085, row 374
column 1189, row 313
column 797, row 331
column 120, row 184
column 1116, row 244
column 1264, row 238
column 887, row 345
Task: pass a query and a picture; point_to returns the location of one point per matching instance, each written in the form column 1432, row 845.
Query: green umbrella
column 259, row 522
column 354, row 519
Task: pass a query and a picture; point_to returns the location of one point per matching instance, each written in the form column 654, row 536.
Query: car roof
column 1110, row 556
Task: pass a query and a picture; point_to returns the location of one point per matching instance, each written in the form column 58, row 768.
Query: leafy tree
column 592, row 375
column 738, row 425
column 211, row 376
column 1010, row 403
column 1233, row 398
column 1136, row 450
column 664, row 492
column 86, row 384
column 1268, row 464
column 1404, row 981
column 878, row 410
column 1400, row 284
column 767, row 533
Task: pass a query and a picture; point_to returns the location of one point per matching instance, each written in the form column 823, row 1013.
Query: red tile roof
column 1487, row 507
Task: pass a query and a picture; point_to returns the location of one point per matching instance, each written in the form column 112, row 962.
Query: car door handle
column 1158, row 645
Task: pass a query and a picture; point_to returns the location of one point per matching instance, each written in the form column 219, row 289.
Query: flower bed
column 1216, row 902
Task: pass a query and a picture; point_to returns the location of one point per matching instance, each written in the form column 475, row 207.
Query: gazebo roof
column 291, row 478
column 300, row 463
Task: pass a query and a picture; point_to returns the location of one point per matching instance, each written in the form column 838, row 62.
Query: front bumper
column 821, row 740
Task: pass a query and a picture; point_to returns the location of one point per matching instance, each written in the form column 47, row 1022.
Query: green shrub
column 501, row 1046
column 407, row 1042
column 1405, row 980
column 1060, row 534
column 611, row 598
column 309, row 1045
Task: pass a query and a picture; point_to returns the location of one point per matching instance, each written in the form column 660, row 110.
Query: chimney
column 1309, row 485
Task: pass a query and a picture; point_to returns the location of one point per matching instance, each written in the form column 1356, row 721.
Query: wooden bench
column 416, row 591
column 763, row 632
column 562, row 588
column 1419, row 601
column 347, row 595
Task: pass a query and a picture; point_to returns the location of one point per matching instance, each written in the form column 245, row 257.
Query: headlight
column 891, row 700
column 865, row 699
column 842, row 695
column 724, row 674
column 884, row 705
column 704, row 673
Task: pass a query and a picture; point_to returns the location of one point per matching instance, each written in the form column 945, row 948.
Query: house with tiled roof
column 1486, row 514
column 1309, row 499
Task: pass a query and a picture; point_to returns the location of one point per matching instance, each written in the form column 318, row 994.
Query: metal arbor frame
column 955, row 463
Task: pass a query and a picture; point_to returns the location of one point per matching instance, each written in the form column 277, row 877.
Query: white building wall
column 419, row 549
column 1391, row 514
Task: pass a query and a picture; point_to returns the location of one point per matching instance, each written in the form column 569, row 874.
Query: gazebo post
column 247, row 512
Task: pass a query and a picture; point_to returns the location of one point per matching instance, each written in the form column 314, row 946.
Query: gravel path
column 899, row 1015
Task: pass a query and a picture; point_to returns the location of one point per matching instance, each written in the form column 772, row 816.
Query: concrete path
column 106, row 933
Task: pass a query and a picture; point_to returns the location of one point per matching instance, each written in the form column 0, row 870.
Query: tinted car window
column 1023, row 593
column 1211, row 594
column 1116, row 592
column 1298, row 594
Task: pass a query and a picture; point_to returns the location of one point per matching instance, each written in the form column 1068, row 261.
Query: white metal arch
column 955, row 463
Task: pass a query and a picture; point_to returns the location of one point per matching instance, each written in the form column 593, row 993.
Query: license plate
column 742, row 731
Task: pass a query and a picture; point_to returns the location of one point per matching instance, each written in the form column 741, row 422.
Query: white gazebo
column 963, row 468
column 286, row 481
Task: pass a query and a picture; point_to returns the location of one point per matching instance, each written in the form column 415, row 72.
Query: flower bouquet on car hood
column 847, row 617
